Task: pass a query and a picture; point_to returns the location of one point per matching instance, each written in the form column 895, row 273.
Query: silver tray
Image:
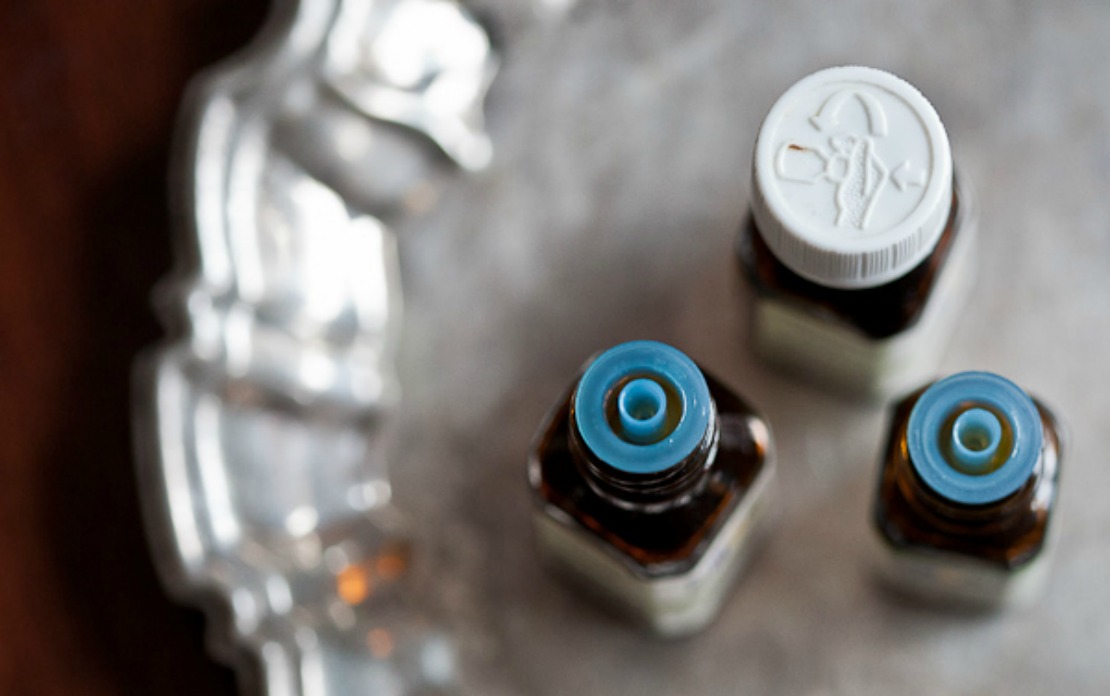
column 346, row 147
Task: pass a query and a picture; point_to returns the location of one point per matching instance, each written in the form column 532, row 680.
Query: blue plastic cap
column 974, row 438
column 642, row 407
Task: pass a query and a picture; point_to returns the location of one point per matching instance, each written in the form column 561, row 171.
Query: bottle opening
column 642, row 407
column 642, row 411
column 976, row 436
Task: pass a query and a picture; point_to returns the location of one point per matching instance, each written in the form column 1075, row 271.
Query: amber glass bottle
column 967, row 491
column 650, row 481
column 859, row 245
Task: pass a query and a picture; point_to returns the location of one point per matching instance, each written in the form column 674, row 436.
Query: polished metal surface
column 623, row 135
column 262, row 425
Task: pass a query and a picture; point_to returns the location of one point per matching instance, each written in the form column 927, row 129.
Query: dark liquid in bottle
column 663, row 521
column 1007, row 533
column 879, row 312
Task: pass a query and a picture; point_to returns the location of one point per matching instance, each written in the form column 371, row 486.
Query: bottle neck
column 879, row 312
column 972, row 452
column 653, row 492
column 961, row 518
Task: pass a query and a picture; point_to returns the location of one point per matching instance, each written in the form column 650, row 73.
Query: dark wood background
column 89, row 92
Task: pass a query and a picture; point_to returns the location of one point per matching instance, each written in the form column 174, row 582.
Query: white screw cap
column 852, row 181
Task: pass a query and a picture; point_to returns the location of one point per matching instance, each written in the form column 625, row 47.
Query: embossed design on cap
column 853, row 177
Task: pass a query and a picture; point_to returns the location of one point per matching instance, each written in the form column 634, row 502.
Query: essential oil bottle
column 860, row 237
column 650, row 480
column 967, row 492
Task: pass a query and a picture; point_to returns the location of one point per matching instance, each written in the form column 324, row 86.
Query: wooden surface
column 88, row 94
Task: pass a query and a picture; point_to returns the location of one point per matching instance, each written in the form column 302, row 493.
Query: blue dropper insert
column 976, row 436
column 642, row 410
column 661, row 403
column 959, row 432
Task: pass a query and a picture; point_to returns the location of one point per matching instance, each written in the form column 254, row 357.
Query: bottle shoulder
column 1009, row 534
column 878, row 312
column 663, row 539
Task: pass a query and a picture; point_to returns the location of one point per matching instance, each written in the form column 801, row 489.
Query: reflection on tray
column 260, row 428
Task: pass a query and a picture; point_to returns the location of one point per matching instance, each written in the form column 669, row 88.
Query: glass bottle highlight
column 650, row 480
column 967, row 491
column 860, row 238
